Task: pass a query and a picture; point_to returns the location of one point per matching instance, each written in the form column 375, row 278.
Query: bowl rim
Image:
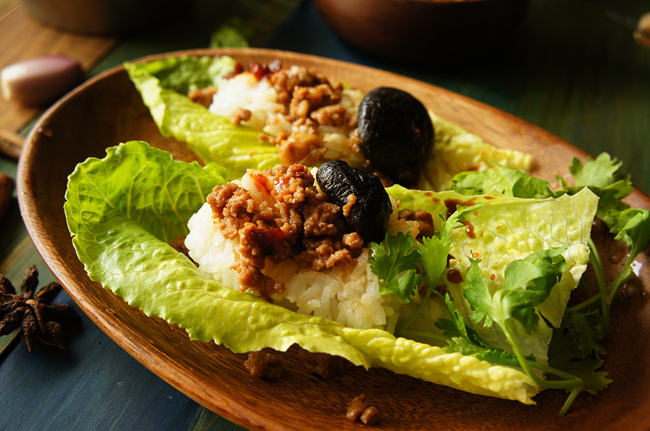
column 133, row 342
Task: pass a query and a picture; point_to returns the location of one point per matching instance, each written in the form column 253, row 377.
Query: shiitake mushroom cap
column 369, row 215
column 396, row 134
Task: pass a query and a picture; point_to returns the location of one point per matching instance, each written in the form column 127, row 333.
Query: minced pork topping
column 311, row 100
column 311, row 106
column 291, row 219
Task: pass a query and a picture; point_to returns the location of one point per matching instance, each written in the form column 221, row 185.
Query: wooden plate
column 107, row 110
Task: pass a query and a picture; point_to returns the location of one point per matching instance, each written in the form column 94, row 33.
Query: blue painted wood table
column 569, row 70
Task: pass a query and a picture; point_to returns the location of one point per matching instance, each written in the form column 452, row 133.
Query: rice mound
column 245, row 91
column 348, row 294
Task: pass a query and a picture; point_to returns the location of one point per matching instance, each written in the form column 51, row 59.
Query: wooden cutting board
column 23, row 38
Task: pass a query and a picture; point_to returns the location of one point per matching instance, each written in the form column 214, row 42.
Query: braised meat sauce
column 360, row 409
column 310, row 100
column 292, row 220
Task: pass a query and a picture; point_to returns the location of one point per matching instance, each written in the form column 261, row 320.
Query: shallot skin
column 40, row 81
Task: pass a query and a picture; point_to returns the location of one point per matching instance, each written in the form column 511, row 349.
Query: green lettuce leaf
column 164, row 84
column 123, row 210
column 504, row 229
column 455, row 150
column 504, row 180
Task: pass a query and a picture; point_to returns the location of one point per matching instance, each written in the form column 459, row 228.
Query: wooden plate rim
column 220, row 402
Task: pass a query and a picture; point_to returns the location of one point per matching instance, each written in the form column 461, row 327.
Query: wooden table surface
column 569, row 69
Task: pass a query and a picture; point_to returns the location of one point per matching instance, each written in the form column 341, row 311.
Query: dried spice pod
column 31, row 312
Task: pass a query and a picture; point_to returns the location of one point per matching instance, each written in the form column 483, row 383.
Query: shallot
column 39, row 81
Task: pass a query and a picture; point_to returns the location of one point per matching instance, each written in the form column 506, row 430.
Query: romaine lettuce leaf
column 504, row 229
column 163, row 85
column 455, row 150
column 123, row 210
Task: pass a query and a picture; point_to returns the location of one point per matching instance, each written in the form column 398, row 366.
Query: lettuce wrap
column 125, row 209
column 164, row 85
column 488, row 314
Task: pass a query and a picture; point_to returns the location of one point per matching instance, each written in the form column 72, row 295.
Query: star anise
column 31, row 311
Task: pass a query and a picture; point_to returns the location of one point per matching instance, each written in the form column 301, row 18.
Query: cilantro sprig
column 528, row 282
column 402, row 265
column 583, row 325
column 602, row 176
column 395, row 263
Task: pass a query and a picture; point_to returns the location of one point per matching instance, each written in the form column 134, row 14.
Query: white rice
column 207, row 247
column 244, row 91
column 346, row 293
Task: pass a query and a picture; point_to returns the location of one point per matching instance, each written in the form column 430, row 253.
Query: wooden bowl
column 107, row 110
column 105, row 17
column 443, row 32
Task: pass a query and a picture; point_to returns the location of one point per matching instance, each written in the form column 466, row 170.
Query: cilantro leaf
column 586, row 330
column 432, row 254
column 517, row 298
column 478, row 295
column 633, row 228
column 587, row 370
column 434, row 250
column 455, row 326
column 610, row 204
column 602, row 177
column 574, row 349
column 543, row 269
column 490, row 354
column 504, row 180
column 395, row 263
column 593, row 381
column 600, row 172
column 501, row 357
